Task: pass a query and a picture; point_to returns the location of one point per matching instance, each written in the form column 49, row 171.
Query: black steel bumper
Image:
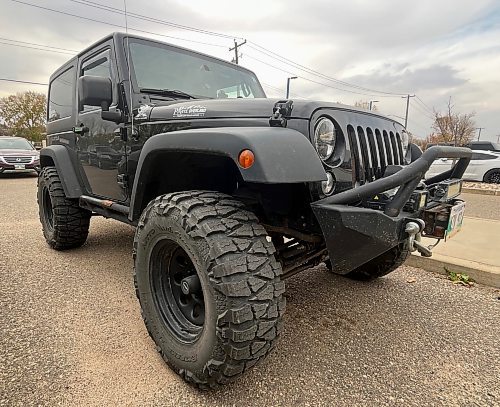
column 354, row 234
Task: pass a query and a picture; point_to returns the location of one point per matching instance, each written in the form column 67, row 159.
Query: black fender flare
column 59, row 155
column 281, row 155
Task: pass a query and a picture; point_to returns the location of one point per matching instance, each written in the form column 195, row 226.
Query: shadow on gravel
column 15, row 175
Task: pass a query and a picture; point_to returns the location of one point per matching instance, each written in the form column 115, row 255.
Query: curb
column 481, row 191
column 480, row 273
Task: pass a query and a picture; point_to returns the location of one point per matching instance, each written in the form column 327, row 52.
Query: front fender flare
column 281, row 155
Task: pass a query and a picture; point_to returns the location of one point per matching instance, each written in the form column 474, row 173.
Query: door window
column 61, row 96
column 98, row 65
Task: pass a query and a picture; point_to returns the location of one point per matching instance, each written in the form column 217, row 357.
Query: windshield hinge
column 282, row 111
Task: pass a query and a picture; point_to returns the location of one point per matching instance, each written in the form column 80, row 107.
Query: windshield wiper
column 168, row 92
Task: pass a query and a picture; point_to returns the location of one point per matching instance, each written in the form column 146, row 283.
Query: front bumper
column 355, row 235
column 27, row 167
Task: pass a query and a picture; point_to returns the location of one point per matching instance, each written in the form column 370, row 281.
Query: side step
column 106, row 208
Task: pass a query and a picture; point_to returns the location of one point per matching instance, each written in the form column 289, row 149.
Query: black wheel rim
column 182, row 312
column 47, row 208
column 494, row 178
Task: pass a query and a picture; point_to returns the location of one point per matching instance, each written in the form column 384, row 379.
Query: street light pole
column 288, row 85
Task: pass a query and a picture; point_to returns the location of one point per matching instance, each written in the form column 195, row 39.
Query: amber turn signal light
column 246, row 159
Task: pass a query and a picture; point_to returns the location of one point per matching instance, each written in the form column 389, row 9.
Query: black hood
column 242, row 108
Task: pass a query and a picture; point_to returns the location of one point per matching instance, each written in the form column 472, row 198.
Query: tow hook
column 414, row 230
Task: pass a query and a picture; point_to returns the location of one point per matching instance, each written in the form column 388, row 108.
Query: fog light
column 329, row 185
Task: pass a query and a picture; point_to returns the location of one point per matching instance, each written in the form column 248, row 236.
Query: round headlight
column 324, row 138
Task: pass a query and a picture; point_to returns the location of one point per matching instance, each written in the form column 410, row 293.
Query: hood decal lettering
column 190, row 111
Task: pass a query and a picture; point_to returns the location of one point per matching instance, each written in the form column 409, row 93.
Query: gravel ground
column 71, row 332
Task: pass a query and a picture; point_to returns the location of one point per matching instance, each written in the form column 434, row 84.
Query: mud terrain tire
column 220, row 246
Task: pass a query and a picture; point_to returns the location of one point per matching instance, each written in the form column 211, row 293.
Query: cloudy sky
column 435, row 49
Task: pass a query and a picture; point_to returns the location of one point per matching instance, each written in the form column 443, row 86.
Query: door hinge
column 122, row 180
column 123, row 134
column 282, row 111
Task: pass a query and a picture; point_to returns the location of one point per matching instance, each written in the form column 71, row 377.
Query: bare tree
column 452, row 127
column 24, row 114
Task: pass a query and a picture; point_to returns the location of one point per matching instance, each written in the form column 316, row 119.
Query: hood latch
column 281, row 111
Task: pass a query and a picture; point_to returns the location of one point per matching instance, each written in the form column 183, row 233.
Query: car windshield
column 15, row 144
column 162, row 67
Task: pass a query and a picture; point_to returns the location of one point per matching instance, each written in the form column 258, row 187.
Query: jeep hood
column 236, row 108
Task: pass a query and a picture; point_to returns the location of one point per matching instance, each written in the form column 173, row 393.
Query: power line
column 312, row 80
column 311, row 71
column 39, row 49
column 112, row 24
column 39, row 45
column 424, row 105
column 152, row 19
column 419, row 109
column 28, row 82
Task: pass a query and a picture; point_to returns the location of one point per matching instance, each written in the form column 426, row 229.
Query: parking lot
column 71, row 331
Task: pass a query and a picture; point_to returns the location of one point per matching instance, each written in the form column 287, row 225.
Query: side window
column 482, row 156
column 61, row 96
column 99, row 65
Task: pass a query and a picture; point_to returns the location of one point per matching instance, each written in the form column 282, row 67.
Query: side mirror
column 95, row 91
column 98, row 91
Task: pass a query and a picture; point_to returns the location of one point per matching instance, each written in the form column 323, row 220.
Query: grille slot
column 18, row 160
column 372, row 151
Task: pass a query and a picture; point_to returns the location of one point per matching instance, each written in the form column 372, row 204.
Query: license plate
column 456, row 219
column 19, row 167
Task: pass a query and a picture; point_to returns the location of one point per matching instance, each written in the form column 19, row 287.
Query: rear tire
column 492, row 176
column 379, row 266
column 231, row 317
column 65, row 225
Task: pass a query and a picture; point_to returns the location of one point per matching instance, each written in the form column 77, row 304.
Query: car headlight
column 324, row 138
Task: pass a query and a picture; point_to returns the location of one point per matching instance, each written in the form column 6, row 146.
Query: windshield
column 15, row 144
column 159, row 66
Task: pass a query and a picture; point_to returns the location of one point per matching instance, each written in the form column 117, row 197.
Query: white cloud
column 437, row 49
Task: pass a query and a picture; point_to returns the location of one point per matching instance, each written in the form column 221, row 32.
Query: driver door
column 101, row 151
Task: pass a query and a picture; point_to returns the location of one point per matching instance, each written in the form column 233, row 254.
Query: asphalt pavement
column 72, row 335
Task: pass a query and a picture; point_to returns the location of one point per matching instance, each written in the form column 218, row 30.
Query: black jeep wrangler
column 230, row 192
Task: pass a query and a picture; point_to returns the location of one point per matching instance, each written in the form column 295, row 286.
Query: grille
column 18, row 160
column 373, row 150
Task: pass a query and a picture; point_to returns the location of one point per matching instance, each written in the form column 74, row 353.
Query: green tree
column 24, row 113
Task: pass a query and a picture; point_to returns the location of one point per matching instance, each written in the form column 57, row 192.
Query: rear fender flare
column 58, row 156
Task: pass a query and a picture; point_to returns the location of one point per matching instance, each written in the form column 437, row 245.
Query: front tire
column 379, row 266
column 208, row 284
column 65, row 225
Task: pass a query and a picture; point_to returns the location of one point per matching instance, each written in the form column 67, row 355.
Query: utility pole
column 288, row 85
column 479, row 135
column 235, row 48
column 407, row 106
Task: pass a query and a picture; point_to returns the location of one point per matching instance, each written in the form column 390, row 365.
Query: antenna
column 131, row 107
